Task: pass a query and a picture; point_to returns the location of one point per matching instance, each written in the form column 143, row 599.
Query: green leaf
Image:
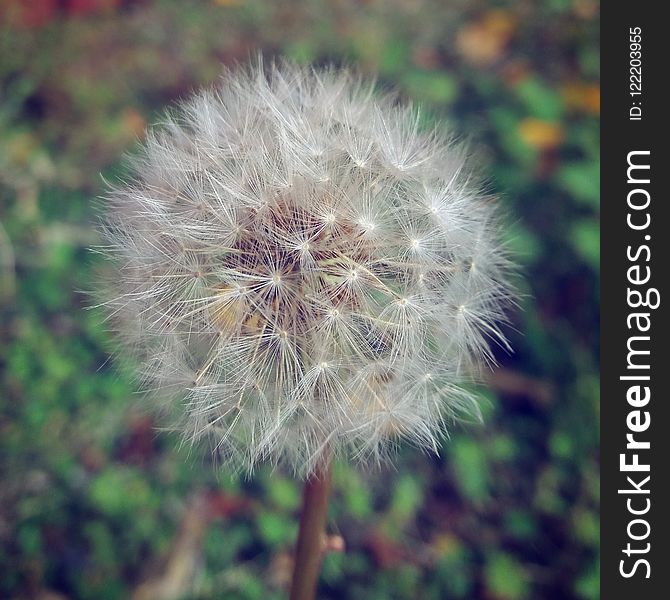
column 588, row 586
column 432, row 86
column 586, row 526
column 541, row 101
column 523, row 244
column 393, row 56
column 300, row 51
column 582, row 182
column 284, row 493
column 275, row 529
column 358, row 502
column 471, row 469
column 502, row 447
column 30, row 539
column 520, row 524
column 506, row 578
column 585, row 238
column 560, row 445
column 120, row 491
column 407, row 495
column 102, row 543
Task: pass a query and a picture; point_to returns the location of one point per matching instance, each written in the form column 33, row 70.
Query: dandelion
column 304, row 272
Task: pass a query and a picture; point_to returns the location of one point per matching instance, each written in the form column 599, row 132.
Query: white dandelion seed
column 302, row 272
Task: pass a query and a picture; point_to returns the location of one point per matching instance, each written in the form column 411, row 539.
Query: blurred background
column 95, row 502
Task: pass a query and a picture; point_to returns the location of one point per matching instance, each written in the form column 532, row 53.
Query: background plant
column 94, row 505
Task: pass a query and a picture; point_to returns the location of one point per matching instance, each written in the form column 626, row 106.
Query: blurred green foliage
column 95, row 503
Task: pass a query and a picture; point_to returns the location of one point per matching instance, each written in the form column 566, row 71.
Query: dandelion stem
column 311, row 535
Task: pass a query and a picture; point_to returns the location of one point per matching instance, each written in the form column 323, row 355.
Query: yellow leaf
column 583, row 97
column 484, row 41
column 445, row 544
column 133, row 122
column 542, row 135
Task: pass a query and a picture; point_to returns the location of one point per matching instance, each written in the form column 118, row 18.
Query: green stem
column 311, row 535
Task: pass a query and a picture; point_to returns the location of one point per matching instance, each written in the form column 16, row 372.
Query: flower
column 302, row 271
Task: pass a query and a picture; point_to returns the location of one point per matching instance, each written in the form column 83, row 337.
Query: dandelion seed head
column 295, row 270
